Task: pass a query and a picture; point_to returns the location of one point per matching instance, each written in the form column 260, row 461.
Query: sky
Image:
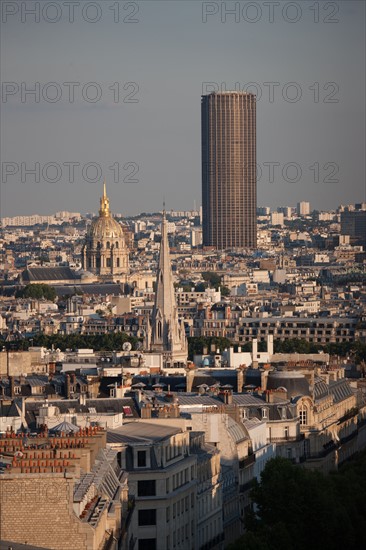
column 118, row 90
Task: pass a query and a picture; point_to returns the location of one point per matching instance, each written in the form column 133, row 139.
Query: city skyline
column 146, row 124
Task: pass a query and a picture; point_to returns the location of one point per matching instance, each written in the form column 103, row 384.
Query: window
column 147, row 517
column 264, row 413
column 147, row 544
column 286, row 432
column 141, row 459
column 146, row 488
column 303, row 414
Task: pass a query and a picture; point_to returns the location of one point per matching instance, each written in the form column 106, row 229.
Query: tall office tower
column 303, row 208
column 353, row 223
column 229, row 179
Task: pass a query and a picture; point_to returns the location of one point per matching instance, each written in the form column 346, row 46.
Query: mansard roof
column 39, row 274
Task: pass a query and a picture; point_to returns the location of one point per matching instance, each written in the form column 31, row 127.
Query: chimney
column 23, row 411
column 146, row 410
column 174, row 410
column 281, row 393
column 255, row 353
column 12, row 386
column 241, row 377
column 264, row 377
column 189, row 379
column 68, row 388
column 227, row 396
column 269, row 396
column 270, row 349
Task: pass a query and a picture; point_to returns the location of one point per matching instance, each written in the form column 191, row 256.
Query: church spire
column 167, row 333
column 104, row 202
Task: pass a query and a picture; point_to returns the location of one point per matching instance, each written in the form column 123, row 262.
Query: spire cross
column 104, row 202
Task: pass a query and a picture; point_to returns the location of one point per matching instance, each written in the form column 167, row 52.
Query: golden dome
column 105, row 227
column 105, row 251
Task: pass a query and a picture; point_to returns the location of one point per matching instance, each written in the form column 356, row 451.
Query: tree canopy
column 196, row 344
column 302, row 509
column 212, row 278
column 98, row 342
column 37, row 291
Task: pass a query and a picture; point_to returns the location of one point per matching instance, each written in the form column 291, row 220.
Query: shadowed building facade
column 229, row 181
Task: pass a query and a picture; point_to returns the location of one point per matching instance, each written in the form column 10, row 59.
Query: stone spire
column 167, row 332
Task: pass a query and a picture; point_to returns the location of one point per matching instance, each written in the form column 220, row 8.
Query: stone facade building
column 163, row 482
column 63, row 492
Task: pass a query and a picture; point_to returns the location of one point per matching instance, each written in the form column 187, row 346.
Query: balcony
column 244, row 462
column 246, row 486
column 298, row 437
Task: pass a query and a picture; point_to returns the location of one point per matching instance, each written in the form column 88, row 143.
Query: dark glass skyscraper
column 229, row 181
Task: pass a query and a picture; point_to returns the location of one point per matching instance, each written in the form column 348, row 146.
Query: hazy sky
column 162, row 53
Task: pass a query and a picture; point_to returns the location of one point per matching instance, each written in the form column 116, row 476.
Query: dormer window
column 264, row 413
column 141, row 459
column 303, row 414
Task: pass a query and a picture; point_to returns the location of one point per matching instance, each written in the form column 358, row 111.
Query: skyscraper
column 353, row 223
column 303, row 208
column 229, row 180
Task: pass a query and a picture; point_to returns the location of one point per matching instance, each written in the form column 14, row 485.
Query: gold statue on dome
column 104, row 202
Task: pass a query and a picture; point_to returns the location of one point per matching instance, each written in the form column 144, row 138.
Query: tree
column 37, row 291
column 200, row 287
column 196, row 344
column 212, row 278
column 225, row 291
column 98, row 342
column 300, row 508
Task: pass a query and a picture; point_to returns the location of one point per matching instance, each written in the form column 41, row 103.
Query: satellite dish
column 127, row 346
column 139, row 346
